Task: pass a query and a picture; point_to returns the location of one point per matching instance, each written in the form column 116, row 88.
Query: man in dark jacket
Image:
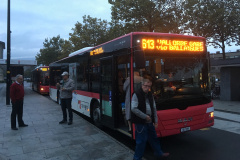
column 17, row 95
column 144, row 116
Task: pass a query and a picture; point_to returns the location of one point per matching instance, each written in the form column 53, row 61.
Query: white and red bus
column 40, row 79
column 179, row 65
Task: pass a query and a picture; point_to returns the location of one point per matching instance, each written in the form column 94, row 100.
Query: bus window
column 139, row 59
column 94, row 74
column 82, row 75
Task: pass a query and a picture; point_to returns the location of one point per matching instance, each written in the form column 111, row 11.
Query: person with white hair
column 17, row 96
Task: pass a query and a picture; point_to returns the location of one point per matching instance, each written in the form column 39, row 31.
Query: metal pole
column 8, row 56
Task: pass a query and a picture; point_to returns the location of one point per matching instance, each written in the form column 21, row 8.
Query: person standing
column 66, row 97
column 126, row 88
column 17, row 96
column 144, row 116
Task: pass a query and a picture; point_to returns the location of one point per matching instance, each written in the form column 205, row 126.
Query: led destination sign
column 96, row 51
column 44, row 69
column 172, row 45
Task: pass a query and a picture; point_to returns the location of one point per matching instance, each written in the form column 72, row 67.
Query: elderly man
column 66, row 97
column 144, row 115
column 17, row 95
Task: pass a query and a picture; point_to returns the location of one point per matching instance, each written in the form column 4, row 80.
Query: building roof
column 225, row 62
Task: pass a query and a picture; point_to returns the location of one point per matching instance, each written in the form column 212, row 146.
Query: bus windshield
column 179, row 82
column 44, row 78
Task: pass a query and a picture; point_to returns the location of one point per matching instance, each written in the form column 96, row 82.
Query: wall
column 230, row 84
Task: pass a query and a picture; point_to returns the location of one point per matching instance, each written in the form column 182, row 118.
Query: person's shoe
column 15, row 128
column 70, row 122
column 63, row 121
column 23, row 125
column 165, row 154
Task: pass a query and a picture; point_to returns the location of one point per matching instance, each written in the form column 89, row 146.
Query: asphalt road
column 212, row 144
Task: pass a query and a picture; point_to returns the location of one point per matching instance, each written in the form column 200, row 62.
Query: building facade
column 226, row 74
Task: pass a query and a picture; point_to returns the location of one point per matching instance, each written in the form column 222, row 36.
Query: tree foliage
column 28, row 71
column 92, row 32
column 146, row 15
column 53, row 50
column 217, row 20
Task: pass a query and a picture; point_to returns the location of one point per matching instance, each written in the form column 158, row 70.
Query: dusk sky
column 32, row 21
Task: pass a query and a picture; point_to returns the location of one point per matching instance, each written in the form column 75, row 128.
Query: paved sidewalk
column 46, row 139
column 227, row 106
column 227, row 116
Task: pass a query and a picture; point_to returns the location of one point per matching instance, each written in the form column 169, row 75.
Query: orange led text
column 172, row 45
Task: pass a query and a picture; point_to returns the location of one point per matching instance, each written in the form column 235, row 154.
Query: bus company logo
column 185, row 120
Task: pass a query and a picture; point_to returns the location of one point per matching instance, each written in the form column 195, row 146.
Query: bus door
column 107, row 92
column 122, row 83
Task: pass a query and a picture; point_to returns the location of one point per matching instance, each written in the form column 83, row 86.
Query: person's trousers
column 17, row 112
column 66, row 104
column 143, row 133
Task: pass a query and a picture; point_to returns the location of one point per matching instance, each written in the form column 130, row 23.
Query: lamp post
column 8, row 56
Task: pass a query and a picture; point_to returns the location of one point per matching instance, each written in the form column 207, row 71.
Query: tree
column 28, row 71
column 52, row 50
column 217, row 20
column 146, row 15
column 67, row 48
column 92, row 32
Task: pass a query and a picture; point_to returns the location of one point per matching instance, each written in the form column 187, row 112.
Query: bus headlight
column 211, row 114
column 42, row 89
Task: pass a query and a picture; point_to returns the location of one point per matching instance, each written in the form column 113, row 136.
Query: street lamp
column 8, row 56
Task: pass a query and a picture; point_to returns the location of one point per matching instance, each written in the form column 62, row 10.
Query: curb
column 226, row 111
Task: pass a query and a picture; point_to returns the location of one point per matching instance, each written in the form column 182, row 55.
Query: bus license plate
column 185, row 129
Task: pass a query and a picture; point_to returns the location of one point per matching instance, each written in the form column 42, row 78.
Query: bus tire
column 96, row 115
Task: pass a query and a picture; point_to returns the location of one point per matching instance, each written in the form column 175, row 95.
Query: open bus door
column 107, row 92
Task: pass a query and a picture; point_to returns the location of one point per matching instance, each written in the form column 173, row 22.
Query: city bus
column 179, row 65
column 40, row 79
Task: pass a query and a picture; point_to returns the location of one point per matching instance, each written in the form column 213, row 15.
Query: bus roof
column 80, row 51
column 40, row 67
column 166, row 34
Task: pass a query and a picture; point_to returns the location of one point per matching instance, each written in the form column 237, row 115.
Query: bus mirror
column 139, row 58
